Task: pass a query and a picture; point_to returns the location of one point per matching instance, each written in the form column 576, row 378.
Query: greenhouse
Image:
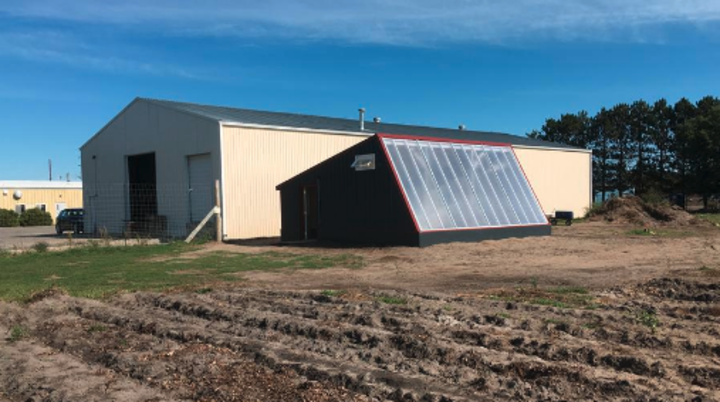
column 395, row 189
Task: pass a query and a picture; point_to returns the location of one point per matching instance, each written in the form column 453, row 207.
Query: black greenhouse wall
column 363, row 207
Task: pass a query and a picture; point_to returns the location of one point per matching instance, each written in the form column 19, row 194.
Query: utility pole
column 50, row 168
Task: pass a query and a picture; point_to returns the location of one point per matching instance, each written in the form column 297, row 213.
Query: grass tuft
column 554, row 321
column 40, row 247
column 559, row 297
column 592, row 325
column 564, row 290
column 542, row 301
column 642, row 232
column 333, row 293
column 97, row 328
column 648, row 319
column 17, row 333
column 392, row 300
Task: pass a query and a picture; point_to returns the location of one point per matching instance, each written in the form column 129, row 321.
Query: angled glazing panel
column 501, row 169
column 406, row 180
column 480, row 189
column 441, row 174
column 464, row 188
column 486, row 170
column 460, row 186
column 521, row 187
column 434, row 195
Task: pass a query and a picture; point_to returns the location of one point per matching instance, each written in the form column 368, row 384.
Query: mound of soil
column 635, row 211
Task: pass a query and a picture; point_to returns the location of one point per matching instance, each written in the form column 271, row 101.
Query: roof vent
column 376, row 119
column 362, row 118
column 461, row 127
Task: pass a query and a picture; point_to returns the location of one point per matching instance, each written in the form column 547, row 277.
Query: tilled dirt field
column 654, row 341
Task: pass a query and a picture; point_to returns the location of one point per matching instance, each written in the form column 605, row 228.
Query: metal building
column 157, row 162
column 50, row 196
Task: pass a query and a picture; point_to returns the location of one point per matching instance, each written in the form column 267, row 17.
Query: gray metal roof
column 264, row 118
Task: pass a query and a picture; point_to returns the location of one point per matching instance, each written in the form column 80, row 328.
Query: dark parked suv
column 70, row 219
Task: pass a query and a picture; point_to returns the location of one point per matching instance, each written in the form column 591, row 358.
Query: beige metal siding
column 31, row 197
column 561, row 179
column 255, row 161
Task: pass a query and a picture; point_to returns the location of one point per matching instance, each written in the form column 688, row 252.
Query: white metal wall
column 201, row 186
column 145, row 127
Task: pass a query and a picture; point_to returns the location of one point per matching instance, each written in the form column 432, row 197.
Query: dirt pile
column 635, row 211
column 637, row 343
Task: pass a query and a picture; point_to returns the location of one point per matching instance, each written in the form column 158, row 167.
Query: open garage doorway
column 142, row 187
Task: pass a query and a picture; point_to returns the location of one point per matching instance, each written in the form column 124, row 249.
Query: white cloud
column 58, row 47
column 384, row 21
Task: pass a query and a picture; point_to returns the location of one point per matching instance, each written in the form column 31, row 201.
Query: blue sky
column 67, row 67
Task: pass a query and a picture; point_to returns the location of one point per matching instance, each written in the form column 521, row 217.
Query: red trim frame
column 433, row 139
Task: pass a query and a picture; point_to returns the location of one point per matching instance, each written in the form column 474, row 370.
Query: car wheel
column 58, row 230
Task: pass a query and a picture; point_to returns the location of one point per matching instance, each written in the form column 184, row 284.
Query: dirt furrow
column 574, row 347
column 356, row 376
column 602, row 326
column 33, row 372
column 648, row 342
column 443, row 354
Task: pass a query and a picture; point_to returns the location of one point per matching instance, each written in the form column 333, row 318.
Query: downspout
column 592, row 194
column 222, row 184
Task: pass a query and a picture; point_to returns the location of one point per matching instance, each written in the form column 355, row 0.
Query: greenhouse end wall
column 358, row 207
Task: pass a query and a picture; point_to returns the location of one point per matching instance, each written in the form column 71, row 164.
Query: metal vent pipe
column 362, row 118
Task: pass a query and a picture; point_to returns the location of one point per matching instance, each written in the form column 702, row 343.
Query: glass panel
column 461, row 187
column 434, row 194
column 494, row 174
column 480, row 189
column 431, row 152
column 522, row 188
column 498, row 199
column 452, row 186
column 405, row 180
column 501, row 169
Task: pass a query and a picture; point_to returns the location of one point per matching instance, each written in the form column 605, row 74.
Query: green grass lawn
column 97, row 272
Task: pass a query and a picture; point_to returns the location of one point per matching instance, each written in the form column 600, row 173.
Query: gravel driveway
column 25, row 237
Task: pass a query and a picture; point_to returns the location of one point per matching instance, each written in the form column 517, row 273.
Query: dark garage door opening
column 142, row 187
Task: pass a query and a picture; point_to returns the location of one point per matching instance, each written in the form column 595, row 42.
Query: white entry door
column 201, row 187
column 59, row 207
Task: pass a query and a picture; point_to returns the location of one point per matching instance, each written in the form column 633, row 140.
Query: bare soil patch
column 651, row 341
column 594, row 255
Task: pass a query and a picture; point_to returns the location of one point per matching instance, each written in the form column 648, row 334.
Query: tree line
column 645, row 148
